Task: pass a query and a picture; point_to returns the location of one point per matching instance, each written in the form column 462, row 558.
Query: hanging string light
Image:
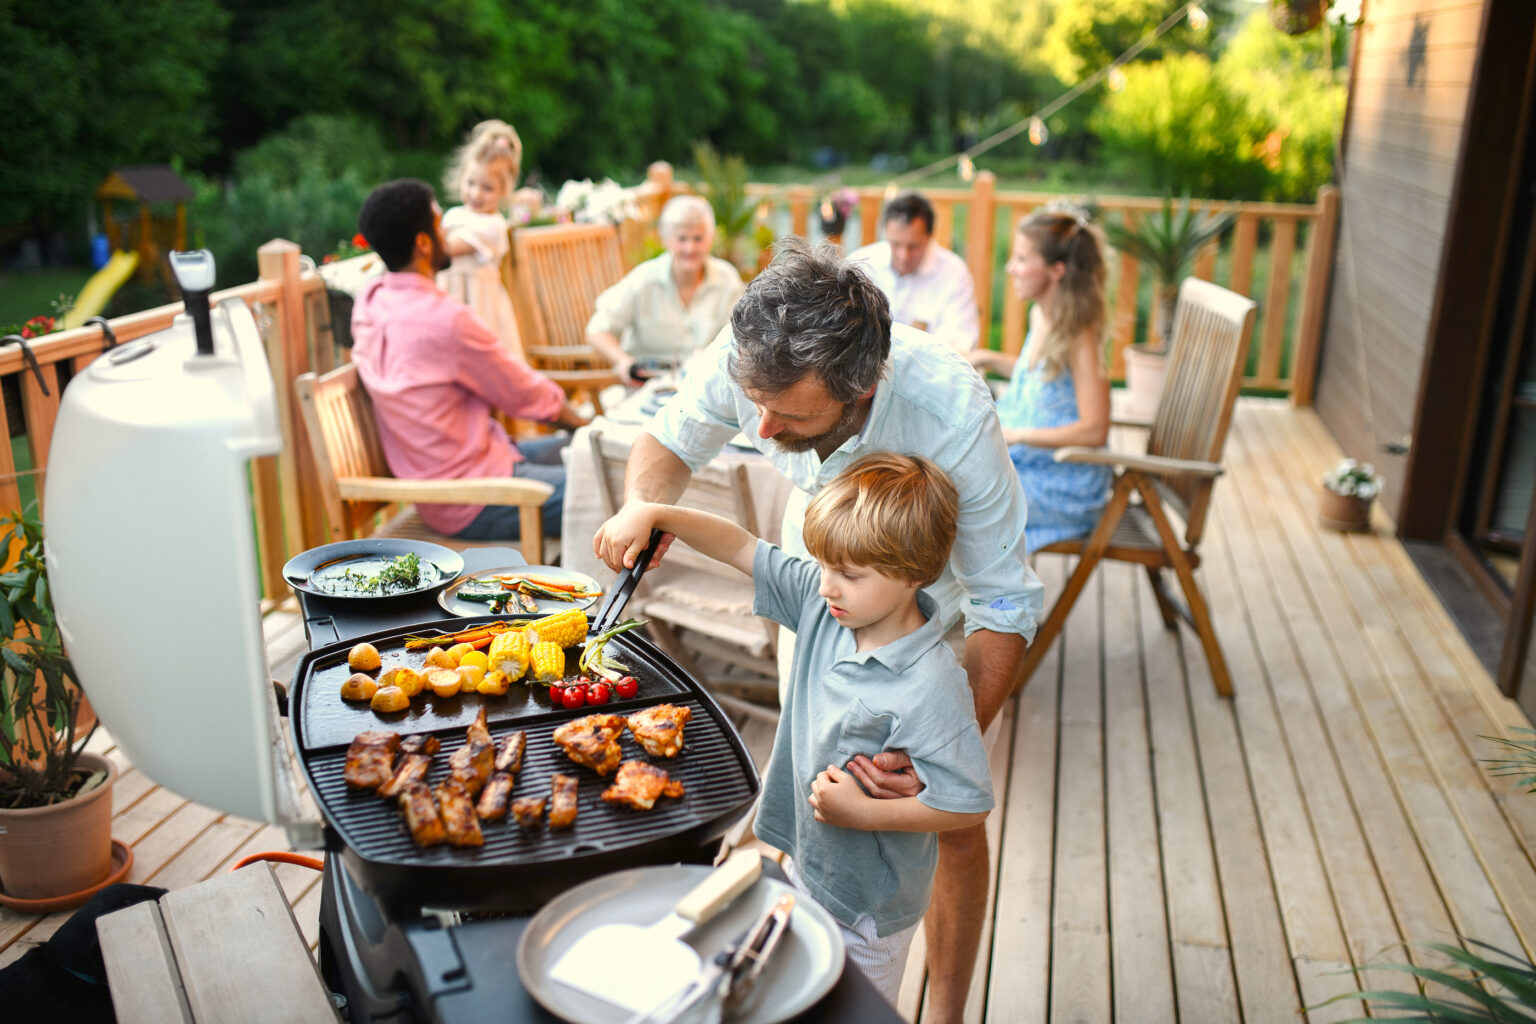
column 967, row 168
column 1116, row 80
column 1035, row 123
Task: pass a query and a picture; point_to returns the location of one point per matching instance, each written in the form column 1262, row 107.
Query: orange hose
column 282, row 858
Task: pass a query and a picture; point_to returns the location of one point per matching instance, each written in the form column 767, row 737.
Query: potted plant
column 739, row 235
column 1348, row 490
column 1166, row 241
column 1295, row 17
column 55, row 798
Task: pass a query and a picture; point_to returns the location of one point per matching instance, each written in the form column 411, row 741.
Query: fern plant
column 1167, row 241
column 1520, row 762
column 1512, row 1000
column 724, row 185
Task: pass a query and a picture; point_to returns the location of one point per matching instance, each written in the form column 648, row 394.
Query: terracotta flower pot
column 1344, row 512
column 47, row 852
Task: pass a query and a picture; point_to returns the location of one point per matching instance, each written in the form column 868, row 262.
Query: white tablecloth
column 585, row 511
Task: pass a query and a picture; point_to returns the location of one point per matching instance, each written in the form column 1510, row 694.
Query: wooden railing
column 289, row 302
column 1278, row 254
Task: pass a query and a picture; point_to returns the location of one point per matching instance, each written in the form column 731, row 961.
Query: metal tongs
column 733, row 971
column 624, row 587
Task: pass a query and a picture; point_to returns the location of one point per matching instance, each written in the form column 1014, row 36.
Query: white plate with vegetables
column 380, row 567
column 520, row 590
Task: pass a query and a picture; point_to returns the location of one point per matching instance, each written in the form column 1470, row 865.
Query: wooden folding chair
column 356, row 485
column 561, row 270
column 1179, row 470
column 693, row 602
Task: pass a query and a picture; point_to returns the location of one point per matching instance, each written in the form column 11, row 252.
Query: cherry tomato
column 557, row 695
column 584, row 680
column 598, row 693
column 626, row 687
column 575, row 696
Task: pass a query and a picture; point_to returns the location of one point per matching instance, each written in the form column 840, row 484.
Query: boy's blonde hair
column 494, row 144
column 888, row 512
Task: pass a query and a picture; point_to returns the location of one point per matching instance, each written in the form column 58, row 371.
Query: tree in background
column 1259, row 122
column 91, row 85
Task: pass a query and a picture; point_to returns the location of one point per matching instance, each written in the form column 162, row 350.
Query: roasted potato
column 470, row 677
column 476, row 659
column 390, row 698
column 363, row 658
column 457, row 652
column 359, row 687
column 445, row 682
column 439, row 658
column 407, row 679
column 494, row 684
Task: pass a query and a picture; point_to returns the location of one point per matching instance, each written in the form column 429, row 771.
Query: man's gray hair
column 810, row 312
column 680, row 211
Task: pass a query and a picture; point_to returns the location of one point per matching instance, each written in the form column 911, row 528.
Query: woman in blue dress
column 1059, row 391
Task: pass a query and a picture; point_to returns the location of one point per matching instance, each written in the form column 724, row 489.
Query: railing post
column 288, row 352
column 800, row 198
column 980, row 237
column 1319, row 270
column 869, row 217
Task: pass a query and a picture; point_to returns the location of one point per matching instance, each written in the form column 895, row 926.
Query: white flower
column 573, row 195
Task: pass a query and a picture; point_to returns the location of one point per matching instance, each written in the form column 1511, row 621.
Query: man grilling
column 812, row 370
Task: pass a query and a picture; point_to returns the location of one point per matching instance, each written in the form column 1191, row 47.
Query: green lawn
column 25, row 295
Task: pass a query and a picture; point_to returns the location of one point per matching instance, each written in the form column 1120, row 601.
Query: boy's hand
column 887, row 775
column 837, row 798
column 623, row 538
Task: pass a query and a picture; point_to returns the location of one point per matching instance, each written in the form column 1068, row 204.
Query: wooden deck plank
column 1080, row 955
column 1138, row 925
column 1393, row 856
column 1266, row 984
column 1021, row 936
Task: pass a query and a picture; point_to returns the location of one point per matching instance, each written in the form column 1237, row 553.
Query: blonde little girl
column 483, row 174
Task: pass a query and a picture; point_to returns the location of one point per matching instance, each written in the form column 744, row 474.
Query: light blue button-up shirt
column 909, row 695
column 929, row 402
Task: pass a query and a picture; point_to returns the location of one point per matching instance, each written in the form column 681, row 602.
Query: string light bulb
column 890, row 191
column 827, row 211
column 1038, row 132
column 1198, row 19
column 967, row 168
column 1116, row 80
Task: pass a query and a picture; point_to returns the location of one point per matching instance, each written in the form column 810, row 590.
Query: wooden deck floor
column 1161, row 853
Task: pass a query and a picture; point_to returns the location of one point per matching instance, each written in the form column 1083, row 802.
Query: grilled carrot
column 472, row 636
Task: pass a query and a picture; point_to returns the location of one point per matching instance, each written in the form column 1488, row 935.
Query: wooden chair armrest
column 1126, row 420
column 583, row 352
column 583, row 377
column 1156, row 465
column 491, row 490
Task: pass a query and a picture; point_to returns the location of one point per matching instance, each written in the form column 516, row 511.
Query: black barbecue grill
column 517, row 868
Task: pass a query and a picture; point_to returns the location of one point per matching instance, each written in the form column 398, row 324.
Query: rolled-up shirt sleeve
column 615, row 307
column 704, row 414
column 1001, row 592
column 959, row 325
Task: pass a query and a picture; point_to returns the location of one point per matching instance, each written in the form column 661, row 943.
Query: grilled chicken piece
column 420, row 743
column 494, row 797
column 660, row 729
column 510, row 757
column 529, row 810
column 592, row 741
column 458, row 811
column 639, row 783
column 471, row 764
column 421, row 815
column 562, row 801
column 371, row 759
column 412, row 768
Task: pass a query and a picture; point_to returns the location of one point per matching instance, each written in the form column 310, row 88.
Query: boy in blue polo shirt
column 871, row 673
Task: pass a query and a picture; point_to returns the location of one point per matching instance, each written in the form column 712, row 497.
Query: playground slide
column 98, row 291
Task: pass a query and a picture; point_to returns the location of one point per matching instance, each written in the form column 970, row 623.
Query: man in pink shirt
column 437, row 373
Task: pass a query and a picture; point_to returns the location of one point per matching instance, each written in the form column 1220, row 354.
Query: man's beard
column 839, row 432
column 440, row 259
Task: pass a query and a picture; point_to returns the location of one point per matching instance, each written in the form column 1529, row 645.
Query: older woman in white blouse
column 670, row 306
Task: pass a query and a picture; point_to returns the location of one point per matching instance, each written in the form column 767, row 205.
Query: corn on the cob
column 564, row 628
column 509, row 653
column 548, row 661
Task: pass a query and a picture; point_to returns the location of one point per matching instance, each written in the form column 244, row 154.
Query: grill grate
column 714, row 780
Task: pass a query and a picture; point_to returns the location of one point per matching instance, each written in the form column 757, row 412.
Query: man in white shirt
column 812, row 371
column 929, row 287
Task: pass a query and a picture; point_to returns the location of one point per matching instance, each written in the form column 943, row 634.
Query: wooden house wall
column 1408, row 99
